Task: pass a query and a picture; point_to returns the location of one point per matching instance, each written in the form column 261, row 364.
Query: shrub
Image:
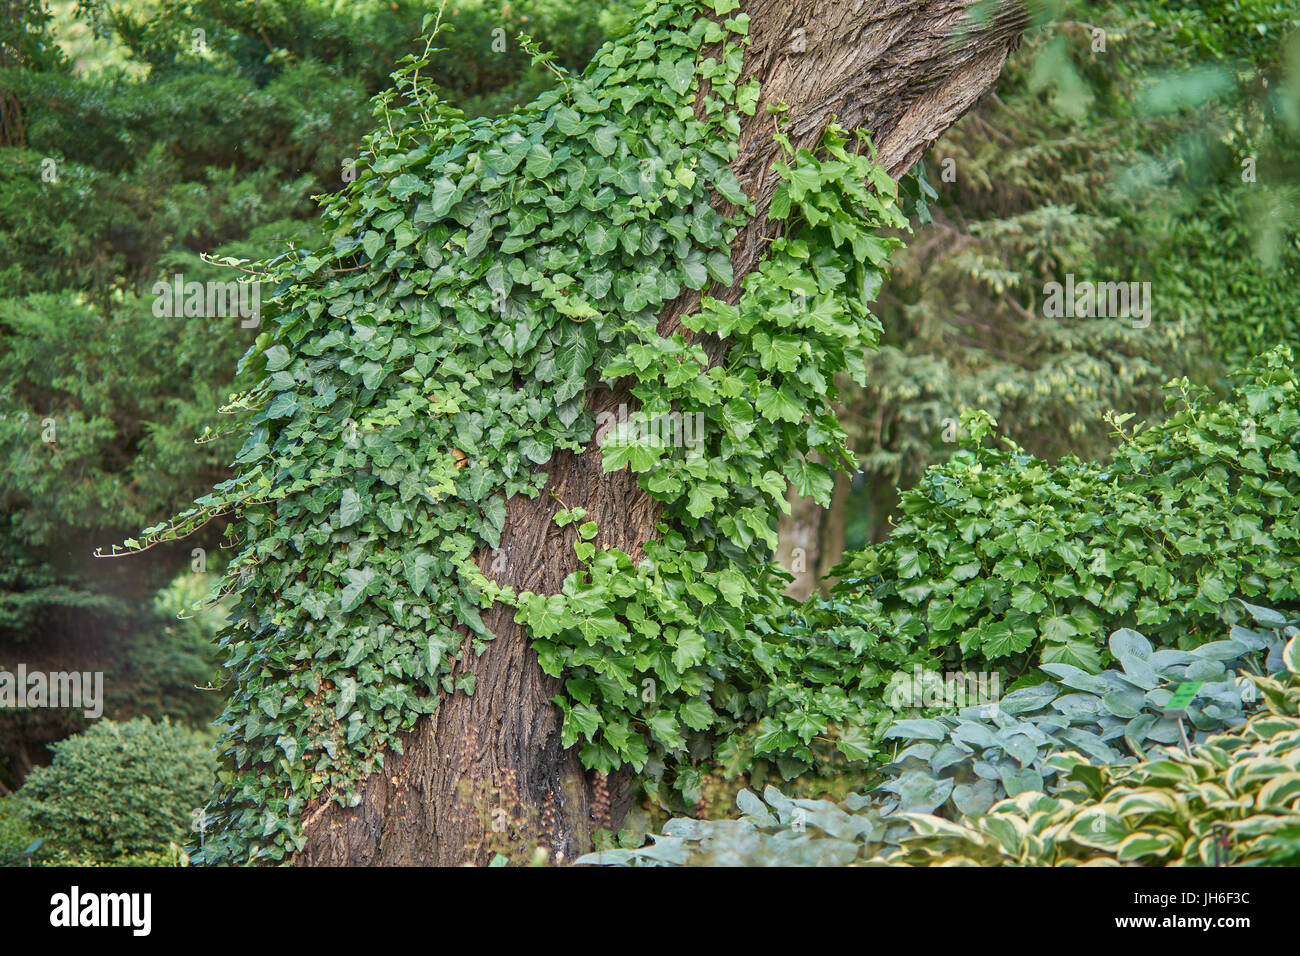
column 120, row 788
column 1001, row 555
column 965, row 762
column 1234, row 799
column 773, row 830
column 15, row 832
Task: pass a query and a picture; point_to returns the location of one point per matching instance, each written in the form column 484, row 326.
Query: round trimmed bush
column 120, row 788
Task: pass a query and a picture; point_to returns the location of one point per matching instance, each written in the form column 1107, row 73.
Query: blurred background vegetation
column 1149, row 141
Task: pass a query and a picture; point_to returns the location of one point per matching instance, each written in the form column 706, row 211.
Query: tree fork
column 489, row 767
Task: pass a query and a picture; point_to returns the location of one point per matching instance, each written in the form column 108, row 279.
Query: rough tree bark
column 903, row 69
column 810, row 539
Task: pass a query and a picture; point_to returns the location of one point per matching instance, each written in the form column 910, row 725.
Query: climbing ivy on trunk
column 435, row 352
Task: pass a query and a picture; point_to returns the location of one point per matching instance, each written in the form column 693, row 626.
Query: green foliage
column 1239, row 790
column 153, row 664
column 668, row 658
column 966, row 762
column 120, row 788
column 1234, row 799
column 772, row 831
column 1001, row 556
column 16, row 833
column 480, row 277
column 1146, row 141
column 168, row 132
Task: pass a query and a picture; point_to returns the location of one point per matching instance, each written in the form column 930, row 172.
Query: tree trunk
column 834, row 526
column 487, row 773
column 798, row 544
column 810, row 539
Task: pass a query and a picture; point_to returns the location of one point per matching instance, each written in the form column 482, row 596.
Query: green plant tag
column 1184, row 694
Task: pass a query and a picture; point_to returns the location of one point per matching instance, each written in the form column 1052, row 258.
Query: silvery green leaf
column 1139, row 672
column 947, row 755
column 923, row 728
column 976, row 735
column 1276, row 662
column 1137, row 729
column 1205, row 670
column 829, row 819
column 607, row 858
column 779, row 802
column 669, row 850
column 1090, row 744
column 1077, row 678
column 1078, row 707
column 754, row 808
column 1018, row 781
column 1158, row 699
column 1028, row 699
column 918, row 751
column 1170, row 663
column 1165, row 731
column 986, row 770
column 1209, row 717
column 1220, row 650
column 973, row 799
column 1111, row 727
column 1264, row 615
column 1020, row 747
column 922, row 793
column 1224, row 691
column 1052, row 722
column 1124, row 703
column 1252, row 639
column 687, row 829
column 1033, row 731
column 1127, row 642
column 855, row 802
column 980, row 712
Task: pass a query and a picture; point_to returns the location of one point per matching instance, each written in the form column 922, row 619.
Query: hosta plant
column 1233, row 799
column 773, row 830
column 963, row 763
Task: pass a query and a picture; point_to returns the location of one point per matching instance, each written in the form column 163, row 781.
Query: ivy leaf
column 809, row 478
column 358, row 579
column 678, row 75
column 690, row 650
column 778, row 405
column 696, row 269
column 443, row 198
column 573, row 356
column 605, row 139
column 404, row 186
column 277, row 357
column 666, row 730
column 599, row 240
column 494, row 514
column 697, row 714
column 732, row 585
column 349, row 508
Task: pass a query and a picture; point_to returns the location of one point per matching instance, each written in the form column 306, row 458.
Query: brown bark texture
column 487, row 773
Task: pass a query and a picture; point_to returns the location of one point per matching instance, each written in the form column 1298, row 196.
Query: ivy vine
column 434, row 352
